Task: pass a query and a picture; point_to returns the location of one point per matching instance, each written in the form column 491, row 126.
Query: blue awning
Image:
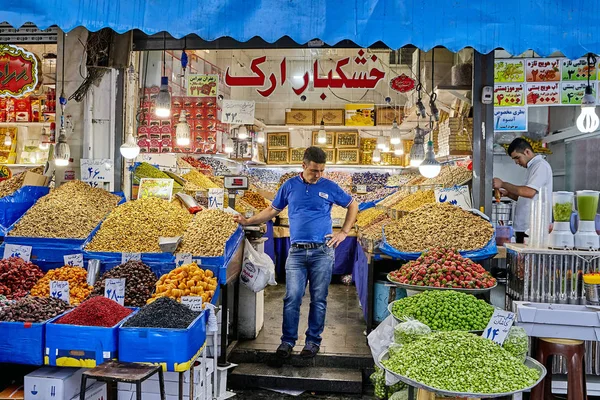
column 545, row 26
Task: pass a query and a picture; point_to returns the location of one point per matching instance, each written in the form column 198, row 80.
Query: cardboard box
column 13, row 392
column 561, row 321
column 95, row 392
column 33, row 179
column 53, row 383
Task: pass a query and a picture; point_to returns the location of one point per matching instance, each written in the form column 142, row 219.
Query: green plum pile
column 382, row 391
column 445, row 310
column 461, row 362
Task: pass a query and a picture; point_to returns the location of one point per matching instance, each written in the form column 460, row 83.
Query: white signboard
column 239, row 112
column 130, row 256
column 16, row 250
column 74, row 260
column 114, row 289
column 193, row 302
column 60, row 290
column 456, row 195
column 182, row 259
column 166, row 161
column 499, row 325
column 97, row 170
column 215, row 198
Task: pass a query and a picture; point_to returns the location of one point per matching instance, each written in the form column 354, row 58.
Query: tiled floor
column 344, row 324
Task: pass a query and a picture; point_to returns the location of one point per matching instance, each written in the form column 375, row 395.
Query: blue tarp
column 569, row 26
column 14, row 206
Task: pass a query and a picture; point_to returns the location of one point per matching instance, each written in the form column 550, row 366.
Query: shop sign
column 60, row 290
column 577, row 70
column 240, row 112
column 402, row 84
column 510, row 119
column 571, row 93
column 16, row 250
column 199, row 85
column 97, row 170
column 543, row 70
column 543, row 94
column 74, row 260
column 509, row 95
column 456, row 195
column 499, row 325
column 18, row 71
column 114, row 289
column 153, row 187
column 509, row 70
column 335, row 78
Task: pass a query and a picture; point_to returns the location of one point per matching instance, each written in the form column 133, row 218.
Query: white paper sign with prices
column 380, row 340
column 216, row 198
column 16, row 250
column 74, row 260
column 258, row 270
column 114, row 289
column 97, row 170
column 499, row 325
column 60, row 290
column 240, row 112
column 456, row 195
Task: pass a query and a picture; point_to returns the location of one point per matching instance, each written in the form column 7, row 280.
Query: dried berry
column 139, row 282
column 162, row 313
column 79, row 290
column 97, row 311
column 33, row 309
column 17, row 277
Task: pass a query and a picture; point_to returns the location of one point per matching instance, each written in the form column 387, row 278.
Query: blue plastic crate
column 219, row 264
column 22, row 342
column 13, row 207
column 80, row 346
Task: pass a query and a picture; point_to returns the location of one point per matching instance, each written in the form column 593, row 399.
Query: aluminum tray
column 529, row 362
column 424, row 288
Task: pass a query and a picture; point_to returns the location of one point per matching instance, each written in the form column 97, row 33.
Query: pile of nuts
column 369, row 216
column 417, row 180
column 285, row 177
column 33, row 309
column 71, row 211
column 439, row 225
column 14, row 183
column 338, row 212
column 139, row 282
column 255, row 200
column 207, row 233
column 198, row 181
column 375, row 230
column 79, row 290
column 187, row 280
column 17, row 277
column 450, row 176
column 135, row 226
column 394, row 198
column 218, row 167
column 415, row 200
column 373, row 194
column 399, row 179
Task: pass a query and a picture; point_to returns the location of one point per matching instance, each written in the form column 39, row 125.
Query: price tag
column 193, row 302
column 457, row 196
column 114, row 289
column 183, row 258
column 74, row 260
column 499, row 325
column 60, row 290
column 130, row 256
column 361, row 189
column 15, row 250
column 216, row 198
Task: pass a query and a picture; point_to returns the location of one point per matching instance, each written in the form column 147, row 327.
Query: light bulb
column 260, row 136
column 380, row 143
column 7, row 140
column 376, row 156
column 588, row 121
column 430, row 167
column 182, row 131
column 162, row 103
column 417, row 153
column 386, row 145
column 130, row 149
column 44, row 140
column 398, row 150
column 242, row 132
column 229, row 146
column 62, row 151
column 322, row 135
column 395, row 134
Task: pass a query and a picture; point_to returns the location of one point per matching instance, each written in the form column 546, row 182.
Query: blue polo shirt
column 310, row 207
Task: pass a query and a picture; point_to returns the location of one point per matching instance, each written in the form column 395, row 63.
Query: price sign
column 238, row 112
column 130, row 256
column 215, row 198
column 15, row 250
column 183, row 258
column 193, row 302
column 97, row 170
column 361, row 189
column 114, row 289
column 60, row 290
column 457, row 196
column 499, row 325
column 151, row 187
column 74, row 260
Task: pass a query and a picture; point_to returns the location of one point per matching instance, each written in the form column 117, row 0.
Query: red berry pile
column 445, row 268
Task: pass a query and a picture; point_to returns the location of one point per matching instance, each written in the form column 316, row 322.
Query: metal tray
column 529, row 362
column 391, row 306
column 424, row 288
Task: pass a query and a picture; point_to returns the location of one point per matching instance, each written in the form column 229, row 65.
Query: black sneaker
column 284, row 350
column 310, row 350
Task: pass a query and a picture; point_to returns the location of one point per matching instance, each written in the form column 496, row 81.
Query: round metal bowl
column 424, row 288
column 391, row 305
column 529, row 362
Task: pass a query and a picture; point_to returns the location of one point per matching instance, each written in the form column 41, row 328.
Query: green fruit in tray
column 445, row 310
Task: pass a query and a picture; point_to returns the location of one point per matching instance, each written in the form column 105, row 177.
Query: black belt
column 307, row 246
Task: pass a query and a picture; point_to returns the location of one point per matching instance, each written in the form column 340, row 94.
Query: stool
column 574, row 352
column 115, row 372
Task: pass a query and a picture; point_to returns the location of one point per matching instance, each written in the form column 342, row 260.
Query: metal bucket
column 592, row 293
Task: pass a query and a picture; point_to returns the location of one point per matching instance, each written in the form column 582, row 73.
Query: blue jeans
column 302, row 266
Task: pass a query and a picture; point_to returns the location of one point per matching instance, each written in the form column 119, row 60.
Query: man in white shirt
column 539, row 175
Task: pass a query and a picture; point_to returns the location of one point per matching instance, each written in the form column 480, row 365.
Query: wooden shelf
column 24, row 123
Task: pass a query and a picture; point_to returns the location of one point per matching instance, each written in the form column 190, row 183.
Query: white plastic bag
column 258, row 270
column 379, row 340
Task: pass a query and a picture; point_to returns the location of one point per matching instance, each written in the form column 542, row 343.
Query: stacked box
column 455, row 137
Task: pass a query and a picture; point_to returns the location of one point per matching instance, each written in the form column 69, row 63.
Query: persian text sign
column 543, row 70
column 238, row 112
column 510, row 119
column 18, row 71
column 573, row 92
column 507, row 95
column 577, row 70
column 543, row 94
column 202, row 85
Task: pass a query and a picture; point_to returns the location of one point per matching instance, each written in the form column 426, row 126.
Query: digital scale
column 233, row 184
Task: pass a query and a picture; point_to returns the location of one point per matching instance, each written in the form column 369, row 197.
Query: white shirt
column 539, row 174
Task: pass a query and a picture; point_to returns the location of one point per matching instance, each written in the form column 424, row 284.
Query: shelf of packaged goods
column 347, row 166
column 24, row 124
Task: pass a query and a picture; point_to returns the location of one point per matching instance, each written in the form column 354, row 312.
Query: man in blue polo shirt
column 311, row 257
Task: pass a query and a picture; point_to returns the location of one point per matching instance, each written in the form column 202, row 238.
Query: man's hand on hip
column 336, row 239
